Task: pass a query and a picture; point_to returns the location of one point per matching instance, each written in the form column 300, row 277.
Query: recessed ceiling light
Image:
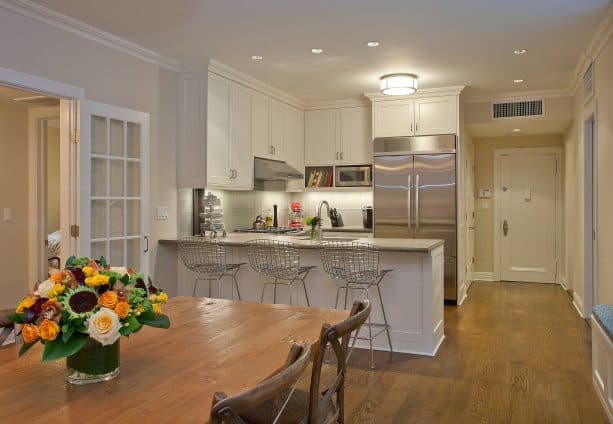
column 372, row 43
column 516, row 130
column 256, row 57
column 518, row 81
column 317, row 51
column 519, row 52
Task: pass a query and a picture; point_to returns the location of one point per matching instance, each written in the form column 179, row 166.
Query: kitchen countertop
column 383, row 244
column 348, row 229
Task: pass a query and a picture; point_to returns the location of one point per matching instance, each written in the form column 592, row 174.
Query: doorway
column 589, row 225
column 527, row 214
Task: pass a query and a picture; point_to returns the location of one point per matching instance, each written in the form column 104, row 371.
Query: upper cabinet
column 419, row 116
column 293, row 137
column 338, row 136
column 268, row 127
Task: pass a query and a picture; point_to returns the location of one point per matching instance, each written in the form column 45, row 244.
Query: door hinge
column 74, row 231
column 75, row 137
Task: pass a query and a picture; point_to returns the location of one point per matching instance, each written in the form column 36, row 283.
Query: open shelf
column 316, row 177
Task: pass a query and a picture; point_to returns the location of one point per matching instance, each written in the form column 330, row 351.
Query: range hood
column 274, row 170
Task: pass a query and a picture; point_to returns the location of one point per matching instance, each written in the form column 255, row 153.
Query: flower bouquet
column 314, row 222
column 80, row 313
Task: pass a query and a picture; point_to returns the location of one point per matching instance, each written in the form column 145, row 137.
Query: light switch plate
column 8, row 214
column 161, row 213
column 485, row 193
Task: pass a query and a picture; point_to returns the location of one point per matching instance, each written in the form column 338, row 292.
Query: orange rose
column 29, row 333
column 122, row 309
column 57, row 277
column 26, row 303
column 108, row 299
column 49, row 330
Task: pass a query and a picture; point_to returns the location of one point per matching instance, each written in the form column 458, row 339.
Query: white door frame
column 590, row 209
column 498, row 153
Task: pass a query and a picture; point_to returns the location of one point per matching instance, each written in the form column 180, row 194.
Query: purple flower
column 33, row 311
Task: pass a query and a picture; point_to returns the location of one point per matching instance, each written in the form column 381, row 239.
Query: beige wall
column 108, row 76
column 484, row 178
column 602, row 105
column 53, row 179
column 14, row 195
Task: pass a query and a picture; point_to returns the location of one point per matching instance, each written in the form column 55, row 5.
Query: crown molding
column 519, row 95
column 253, row 83
column 603, row 34
column 51, row 17
column 427, row 92
column 335, row 104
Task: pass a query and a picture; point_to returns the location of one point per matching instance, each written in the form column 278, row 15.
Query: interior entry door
column 528, row 217
column 114, row 183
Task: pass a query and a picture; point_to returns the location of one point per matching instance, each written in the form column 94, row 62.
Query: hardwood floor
column 514, row 353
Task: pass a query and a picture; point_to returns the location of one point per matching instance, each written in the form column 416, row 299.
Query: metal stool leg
column 238, row 293
column 290, row 286
column 195, row 284
column 372, row 356
column 387, row 328
column 306, row 295
column 274, row 296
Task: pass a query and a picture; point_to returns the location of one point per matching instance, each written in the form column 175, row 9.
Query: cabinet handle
column 411, row 127
column 146, row 244
column 336, row 155
column 274, row 150
column 235, row 173
column 342, row 155
column 270, row 149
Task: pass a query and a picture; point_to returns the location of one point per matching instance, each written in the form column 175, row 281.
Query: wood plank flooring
column 514, row 353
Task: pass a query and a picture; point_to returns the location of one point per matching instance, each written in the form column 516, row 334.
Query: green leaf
column 125, row 279
column 25, row 347
column 132, row 327
column 70, row 261
column 66, row 334
column 103, row 263
column 58, row 349
column 158, row 321
column 16, row 318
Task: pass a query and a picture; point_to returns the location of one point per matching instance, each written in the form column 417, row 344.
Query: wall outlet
column 8, row 214
column 161, row 213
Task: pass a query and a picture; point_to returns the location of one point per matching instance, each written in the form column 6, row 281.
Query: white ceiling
column 445, row 42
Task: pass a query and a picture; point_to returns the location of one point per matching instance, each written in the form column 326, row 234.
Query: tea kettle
column 259, row 223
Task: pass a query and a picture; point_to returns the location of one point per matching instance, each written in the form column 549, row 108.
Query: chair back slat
column 274, row 258
column 350, row 261
column 202, row 255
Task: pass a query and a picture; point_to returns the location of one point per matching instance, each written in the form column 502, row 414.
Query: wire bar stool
column 279, row 263
column 356, row 266
column 207, row 258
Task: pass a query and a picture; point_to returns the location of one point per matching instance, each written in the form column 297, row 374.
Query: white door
column 437, row 115
column 218, row 139
column 242, row 162
column 114, row 183
column 393, row 118
column 356, row 141
column 528, row 217
column 321, row 133
column 261, row 126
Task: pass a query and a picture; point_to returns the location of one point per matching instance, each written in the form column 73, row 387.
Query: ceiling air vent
column 517, row 109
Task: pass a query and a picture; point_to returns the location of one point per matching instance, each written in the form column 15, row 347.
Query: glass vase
column 315, row 234
column 93, row 363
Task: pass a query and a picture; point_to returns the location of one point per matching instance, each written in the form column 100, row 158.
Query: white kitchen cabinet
column 277, row 128
column 437, row 115
column 321, row 136
column 261, row 126
column 294, row 144
column 241, row 158
column 420, row 116
column 219, row 131
column 355, row 136
column 338, row 136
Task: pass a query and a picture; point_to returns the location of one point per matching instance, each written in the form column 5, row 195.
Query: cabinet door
column 294, row 144
column 393, row 118
column 356, row 141
column 321, row 137
column 261, row 126
column 218, row 131
column 437, row 115
column 242, row 161
column 277, row 126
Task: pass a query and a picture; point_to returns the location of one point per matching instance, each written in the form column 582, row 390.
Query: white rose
column 104, row 326
column 44, row 287
column 119, row 269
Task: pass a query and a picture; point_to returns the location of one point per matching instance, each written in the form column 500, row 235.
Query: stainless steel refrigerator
column 415, row 194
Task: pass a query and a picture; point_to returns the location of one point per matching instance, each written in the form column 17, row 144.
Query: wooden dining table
column 166, row 375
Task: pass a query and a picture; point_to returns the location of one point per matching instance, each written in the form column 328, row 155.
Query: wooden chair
column 6, row 325
column 265, row 402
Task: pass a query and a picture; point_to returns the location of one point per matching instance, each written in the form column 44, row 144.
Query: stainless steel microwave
column 354, row 176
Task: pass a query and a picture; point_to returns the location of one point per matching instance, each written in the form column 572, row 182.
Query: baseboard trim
column 563, row 284
column 578, row 304
column 483, row 276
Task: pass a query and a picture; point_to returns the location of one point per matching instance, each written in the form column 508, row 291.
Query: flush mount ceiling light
column 317, row 51
column 372, row 43
column 398, row 84
column 516, row 130
column 518, row 81
column 519, row 52
column 257, row 57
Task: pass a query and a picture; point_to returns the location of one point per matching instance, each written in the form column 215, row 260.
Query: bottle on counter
column 268, row 218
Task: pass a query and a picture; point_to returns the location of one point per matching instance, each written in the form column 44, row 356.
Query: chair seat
column 286, row 273
column 215, row 269
column 604, row 316
column 295, row 412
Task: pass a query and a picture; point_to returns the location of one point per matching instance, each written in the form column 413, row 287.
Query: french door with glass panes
column 114, row 183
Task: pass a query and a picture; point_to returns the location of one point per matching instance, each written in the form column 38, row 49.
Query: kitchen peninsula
column 412, row 292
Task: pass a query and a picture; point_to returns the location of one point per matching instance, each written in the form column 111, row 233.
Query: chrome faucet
column 319, row 206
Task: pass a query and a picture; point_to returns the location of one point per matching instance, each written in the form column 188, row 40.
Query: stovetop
column 272, row 230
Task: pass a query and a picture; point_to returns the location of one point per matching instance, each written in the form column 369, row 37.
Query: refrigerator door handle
column 409, row 205
column 417, row 204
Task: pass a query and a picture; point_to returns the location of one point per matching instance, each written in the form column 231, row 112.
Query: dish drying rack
column 211, row 217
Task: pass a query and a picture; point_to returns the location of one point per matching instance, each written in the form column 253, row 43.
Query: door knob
column 505, row 227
